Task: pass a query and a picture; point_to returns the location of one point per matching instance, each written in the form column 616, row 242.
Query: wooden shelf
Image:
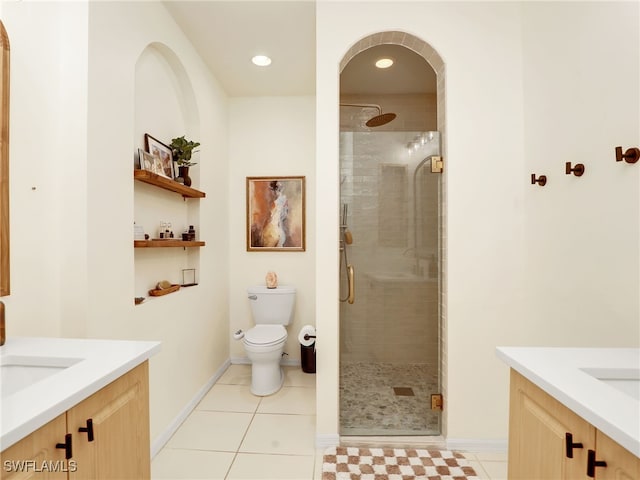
column 165, row 243
column 167, row 184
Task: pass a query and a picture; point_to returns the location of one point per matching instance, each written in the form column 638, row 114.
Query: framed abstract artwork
column 276, row 214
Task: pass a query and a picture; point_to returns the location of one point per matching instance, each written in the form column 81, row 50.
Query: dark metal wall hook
column 541, row 180
column 578, row 170
column 631, row 155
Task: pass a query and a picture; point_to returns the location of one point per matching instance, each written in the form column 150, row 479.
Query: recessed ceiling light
column 261, row 60
column 384, row 62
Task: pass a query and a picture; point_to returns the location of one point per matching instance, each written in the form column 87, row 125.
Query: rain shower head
column 378, row 120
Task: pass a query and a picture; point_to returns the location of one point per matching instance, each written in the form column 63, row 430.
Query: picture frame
column 163, row 154
column 276, row 214
column 150, row 163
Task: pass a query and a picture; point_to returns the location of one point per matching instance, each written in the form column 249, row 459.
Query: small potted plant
column 182, row 150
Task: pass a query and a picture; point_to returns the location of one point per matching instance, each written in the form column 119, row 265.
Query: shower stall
column 389, row 283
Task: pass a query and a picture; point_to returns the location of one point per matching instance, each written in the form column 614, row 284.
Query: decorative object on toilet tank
column 276, row 214
column 631, row 155
column 271, row 279
column 541, row 180
column 182, row 150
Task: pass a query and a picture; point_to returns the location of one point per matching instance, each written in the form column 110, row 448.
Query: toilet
column 272, row 311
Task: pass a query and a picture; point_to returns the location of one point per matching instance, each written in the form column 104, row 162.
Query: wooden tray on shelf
column 159, row 292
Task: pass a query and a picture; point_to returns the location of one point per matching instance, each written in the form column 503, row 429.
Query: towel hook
column 541, row 180
column 578, row 170
column 631, row 155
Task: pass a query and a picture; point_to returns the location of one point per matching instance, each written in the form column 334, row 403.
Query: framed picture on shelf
column 163, row 153
column 276, row 214
column 150, row 163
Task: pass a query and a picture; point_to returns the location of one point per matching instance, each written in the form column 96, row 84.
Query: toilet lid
column 265, row 334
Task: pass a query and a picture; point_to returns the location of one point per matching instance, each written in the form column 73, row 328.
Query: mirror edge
column 4, row 164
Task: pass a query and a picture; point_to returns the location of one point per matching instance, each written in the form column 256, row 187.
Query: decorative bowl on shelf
column 158, row 292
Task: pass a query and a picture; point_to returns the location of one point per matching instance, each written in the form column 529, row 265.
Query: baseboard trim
column 326, row 440
column 162, row 439
column 477, row 445
column 245, row 361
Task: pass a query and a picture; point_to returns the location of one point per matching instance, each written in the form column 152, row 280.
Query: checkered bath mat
column 351, row 463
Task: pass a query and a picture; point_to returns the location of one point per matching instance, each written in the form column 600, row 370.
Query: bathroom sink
column 625, row 380
column 18, row 372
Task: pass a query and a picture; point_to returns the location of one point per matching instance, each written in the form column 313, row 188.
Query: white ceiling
column 227, row 34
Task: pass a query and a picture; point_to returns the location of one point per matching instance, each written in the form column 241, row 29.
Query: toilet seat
column 265, row 335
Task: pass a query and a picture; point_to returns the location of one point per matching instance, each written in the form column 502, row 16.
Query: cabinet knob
column 570, row 445
column 592, row 463
column 88, row 429
column 68, row 452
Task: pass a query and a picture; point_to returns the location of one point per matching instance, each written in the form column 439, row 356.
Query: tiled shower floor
column 369, row 405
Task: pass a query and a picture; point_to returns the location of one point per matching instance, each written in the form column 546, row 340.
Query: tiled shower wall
column 395, row 316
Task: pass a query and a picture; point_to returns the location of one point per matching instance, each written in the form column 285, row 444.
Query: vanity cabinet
column 109, row 433
column 548, row 441
column 36, row 456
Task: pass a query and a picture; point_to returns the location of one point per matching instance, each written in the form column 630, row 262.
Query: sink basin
column 625, row 380
column 18, row 372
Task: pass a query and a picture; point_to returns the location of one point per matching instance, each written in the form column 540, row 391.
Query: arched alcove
column 165, row 108
column 388, row 235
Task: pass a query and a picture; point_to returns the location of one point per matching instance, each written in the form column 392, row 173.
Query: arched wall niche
column 169, row 98
column 165, row 108
column 433, row 58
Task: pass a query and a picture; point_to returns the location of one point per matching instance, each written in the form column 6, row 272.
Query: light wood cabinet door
column 119, row 415
column 36, row 456
column 621, row 463
column 538, row 425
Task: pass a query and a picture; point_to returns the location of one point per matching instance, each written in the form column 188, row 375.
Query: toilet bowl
column 272, row 310
column 264, row 345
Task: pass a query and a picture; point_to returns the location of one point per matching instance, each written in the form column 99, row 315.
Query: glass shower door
column 389, row 234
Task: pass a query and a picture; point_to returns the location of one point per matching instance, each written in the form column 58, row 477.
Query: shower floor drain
column 403, row 391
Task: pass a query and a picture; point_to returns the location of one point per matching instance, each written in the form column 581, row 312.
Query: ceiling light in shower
column 384, row 62
column 261, row 60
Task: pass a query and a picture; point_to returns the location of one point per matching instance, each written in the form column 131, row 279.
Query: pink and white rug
column 352, row 463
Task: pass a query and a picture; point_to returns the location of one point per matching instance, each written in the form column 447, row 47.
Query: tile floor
column 234, row 435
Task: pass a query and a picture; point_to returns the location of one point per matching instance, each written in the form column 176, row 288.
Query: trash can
column 308, row 358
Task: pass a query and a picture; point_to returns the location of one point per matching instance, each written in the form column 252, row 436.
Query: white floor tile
column 495, row 470
column 178, row 464
column 291, row 400
column 317, row 468
column 202, row 430
column 252, row 466
column 295, row 377
column 491, row 456
column 230, row 398
column 236, row 375
column 280, row 434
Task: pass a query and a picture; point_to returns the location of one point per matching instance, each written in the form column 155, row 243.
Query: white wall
column 582, row 99
column 492, row 54
column 74, row 134
column 270, row 136
column 47, row 152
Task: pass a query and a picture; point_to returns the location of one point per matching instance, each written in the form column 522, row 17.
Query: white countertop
column 101, row 362
column 561, row 373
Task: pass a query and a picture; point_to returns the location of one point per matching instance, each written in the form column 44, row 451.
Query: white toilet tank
column 272, row 305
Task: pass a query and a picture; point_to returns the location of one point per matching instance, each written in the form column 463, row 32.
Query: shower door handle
column 352, row 293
